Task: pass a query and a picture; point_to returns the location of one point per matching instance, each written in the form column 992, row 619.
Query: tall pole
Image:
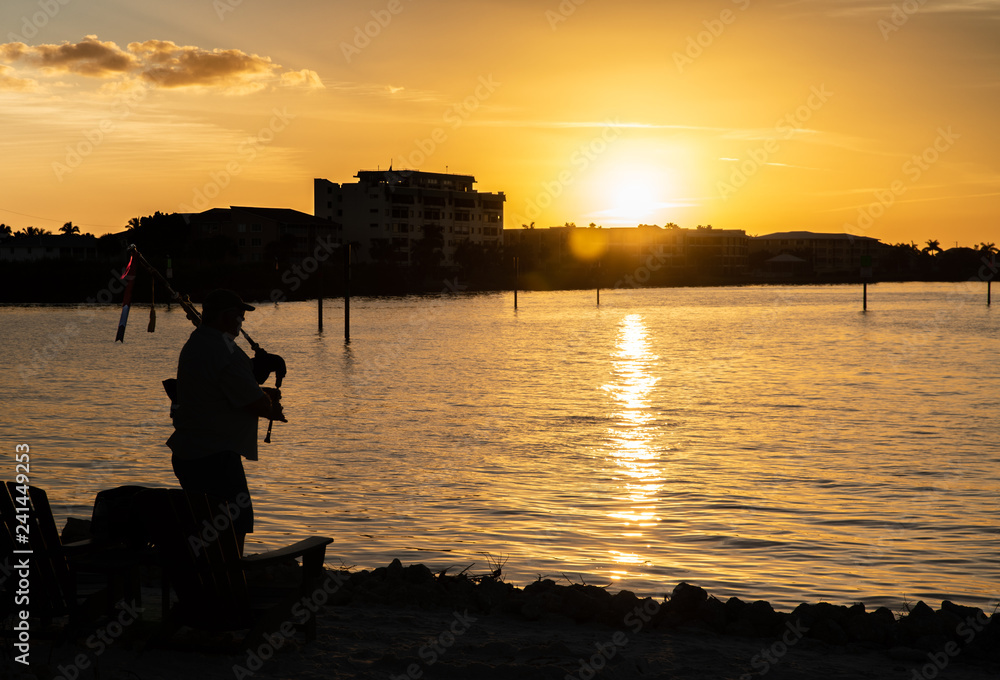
column 347, row 293
column 866, row 273
column 319, row 299
column 517, row 281
column 598, row 283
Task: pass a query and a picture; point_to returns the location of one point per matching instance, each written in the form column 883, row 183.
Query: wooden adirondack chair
column 28, row 525
column 201, row 560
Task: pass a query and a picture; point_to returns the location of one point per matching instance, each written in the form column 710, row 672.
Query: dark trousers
column 220, row 475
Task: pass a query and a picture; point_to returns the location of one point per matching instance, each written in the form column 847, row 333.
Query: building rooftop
column 813, row 236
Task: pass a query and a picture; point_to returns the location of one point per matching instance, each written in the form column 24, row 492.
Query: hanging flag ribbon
column 126, row 300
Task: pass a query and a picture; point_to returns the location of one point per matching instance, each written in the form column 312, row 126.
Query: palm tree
column 69, row 229
column 5, row 230
column 984, row 247
column 35, row 231
column 933, row 246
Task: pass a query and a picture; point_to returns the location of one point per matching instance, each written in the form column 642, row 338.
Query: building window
column 242, row 242
column 241, row 228
column 255, row 243
column 256, row 227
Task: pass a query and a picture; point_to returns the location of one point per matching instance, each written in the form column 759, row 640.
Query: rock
column 539, row 586
column 622, row 603
column 734, row 608
column 757, row 619
column 685, row 599
column 417, row 573
column 712, row 613
column 884, row 616
column 869, row 629
column 825, row 621
column 921, row 622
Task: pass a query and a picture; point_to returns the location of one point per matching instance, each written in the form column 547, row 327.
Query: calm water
column 765, row 442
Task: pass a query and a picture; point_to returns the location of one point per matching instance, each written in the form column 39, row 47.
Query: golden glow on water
column 763, row 442
column 633, row 379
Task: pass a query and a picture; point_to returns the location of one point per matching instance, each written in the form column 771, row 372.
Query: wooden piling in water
column 347, row 293
column 517, row 280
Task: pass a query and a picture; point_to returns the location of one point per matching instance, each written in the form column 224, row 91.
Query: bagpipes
column 264, row 363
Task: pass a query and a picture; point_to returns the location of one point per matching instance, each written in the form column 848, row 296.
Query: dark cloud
column 169, row 65
column 89, row 57
column 159, row 63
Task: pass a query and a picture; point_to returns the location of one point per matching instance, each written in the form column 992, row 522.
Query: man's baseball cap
column 222, row 300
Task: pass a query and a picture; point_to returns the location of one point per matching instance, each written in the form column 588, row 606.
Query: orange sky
column 820, row 115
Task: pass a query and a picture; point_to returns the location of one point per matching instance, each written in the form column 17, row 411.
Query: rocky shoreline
column 412, row 623
column 951, row 630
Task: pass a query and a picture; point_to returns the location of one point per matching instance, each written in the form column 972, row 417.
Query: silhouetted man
column 218, row 404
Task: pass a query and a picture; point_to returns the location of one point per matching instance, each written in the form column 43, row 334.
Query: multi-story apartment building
column 824, row 253
column 388, row 212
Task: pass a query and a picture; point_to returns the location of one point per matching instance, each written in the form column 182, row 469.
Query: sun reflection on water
column 632, row 434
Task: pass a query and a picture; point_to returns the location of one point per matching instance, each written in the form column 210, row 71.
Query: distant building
column 725, row 250
column 48, row 247
column 825, row 253
column 388, row 212
column 249, row 234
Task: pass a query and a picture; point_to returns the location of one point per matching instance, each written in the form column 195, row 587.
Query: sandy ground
column 396, row 643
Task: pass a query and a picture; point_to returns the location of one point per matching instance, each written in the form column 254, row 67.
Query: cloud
column 158, row 63
column 12, row 83
column 89, row 57
column 168, row 65
column 305, row 79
